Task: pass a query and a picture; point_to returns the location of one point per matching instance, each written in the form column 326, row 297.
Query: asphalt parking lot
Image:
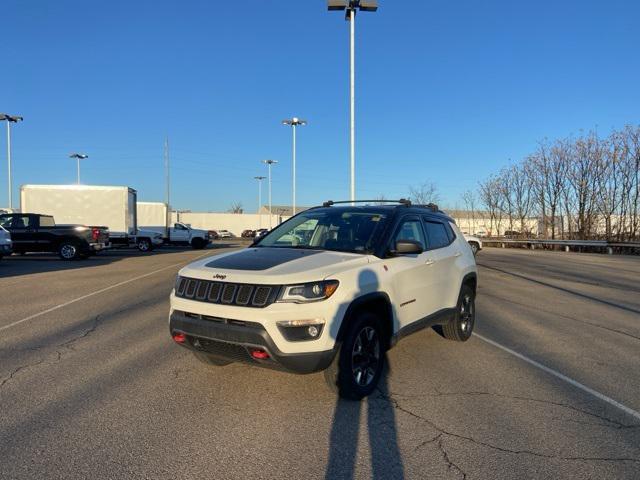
column 91, row 385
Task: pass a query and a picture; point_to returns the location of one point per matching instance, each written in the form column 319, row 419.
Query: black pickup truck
column 32, row 232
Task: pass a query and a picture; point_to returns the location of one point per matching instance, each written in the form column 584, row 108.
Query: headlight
column 308, row 292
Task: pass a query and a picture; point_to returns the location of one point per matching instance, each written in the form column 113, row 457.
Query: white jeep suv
column 330, row 289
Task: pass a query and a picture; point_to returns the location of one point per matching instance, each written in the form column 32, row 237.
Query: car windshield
column 332, row 229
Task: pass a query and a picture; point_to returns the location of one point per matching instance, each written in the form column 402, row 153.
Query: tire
column 344, row 376
column 144, row 245
column 197, row 243
column 212, row 361
column 69, row 250
column 461, row 326
column 475, row 248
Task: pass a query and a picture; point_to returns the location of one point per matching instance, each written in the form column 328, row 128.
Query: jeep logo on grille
column 219, row 276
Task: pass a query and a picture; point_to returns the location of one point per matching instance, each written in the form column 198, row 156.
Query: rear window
column 437, row 234
column 47, row 222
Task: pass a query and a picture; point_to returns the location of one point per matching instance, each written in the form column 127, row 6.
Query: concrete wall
column 234, row 222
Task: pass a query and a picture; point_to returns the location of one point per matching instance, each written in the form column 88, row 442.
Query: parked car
column 213, row 235
column 260, row 232
column 481, row 233
column 225, row 234
column 248, row 233
column 5, row 242
column 511, row 233
column 366, row 277
column 474, row 242
column 32, row 232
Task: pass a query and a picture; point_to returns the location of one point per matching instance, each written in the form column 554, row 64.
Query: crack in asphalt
column 18, row 369
column 389, row 397
column 610, row 423
column 568, row 317
column 69, row 344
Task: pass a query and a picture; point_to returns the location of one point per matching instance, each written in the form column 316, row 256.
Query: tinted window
column 437, row 234
column 47, row 222
column 411, row 230
column 21, row 222
column 328, row 229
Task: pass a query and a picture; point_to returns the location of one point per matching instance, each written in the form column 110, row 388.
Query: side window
column 411, row 230
column 21, row 222
column 437, row 234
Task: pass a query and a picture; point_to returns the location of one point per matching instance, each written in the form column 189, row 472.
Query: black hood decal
column 259, row 258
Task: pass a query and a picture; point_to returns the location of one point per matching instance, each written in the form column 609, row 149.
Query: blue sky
column 447, row 91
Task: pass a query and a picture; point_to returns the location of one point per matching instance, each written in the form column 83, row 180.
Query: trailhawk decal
column 261, row 258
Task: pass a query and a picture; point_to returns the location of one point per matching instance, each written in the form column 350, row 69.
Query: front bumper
column 233, row 340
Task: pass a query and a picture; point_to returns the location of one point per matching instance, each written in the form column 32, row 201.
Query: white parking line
column 559, row 375
column 102, row 290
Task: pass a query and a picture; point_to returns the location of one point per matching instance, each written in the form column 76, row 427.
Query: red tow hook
column 259, row 354
column 179, row 337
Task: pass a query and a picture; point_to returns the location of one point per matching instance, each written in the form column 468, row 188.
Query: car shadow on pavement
column 386, row 462
column 30, row 263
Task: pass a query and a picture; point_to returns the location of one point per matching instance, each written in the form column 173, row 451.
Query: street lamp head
column 269, row 162
column 80, row 156
column 294, row 121
column 10, row 118
column 352, row 6
column 259, row 178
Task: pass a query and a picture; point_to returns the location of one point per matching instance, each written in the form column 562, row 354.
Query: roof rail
column 402, row 201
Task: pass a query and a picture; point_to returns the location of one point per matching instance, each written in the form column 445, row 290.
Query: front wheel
column 144, row 245
column 461, row 326
column 356, row 369
column 197, row 244
column 69, row 251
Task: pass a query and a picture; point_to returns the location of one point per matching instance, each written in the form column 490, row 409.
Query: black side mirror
column 407, row 247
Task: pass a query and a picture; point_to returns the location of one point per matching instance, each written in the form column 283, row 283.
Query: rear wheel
column 69, row 250
column 209, row 360
column 144, row 245
column 461, row 326
column 356, row 368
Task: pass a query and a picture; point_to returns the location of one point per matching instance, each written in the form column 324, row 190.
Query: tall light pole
column 9, row 119
column 259, row 178
column 269, row 163
column 78, row 157
column 294, row 122
column 350, row 7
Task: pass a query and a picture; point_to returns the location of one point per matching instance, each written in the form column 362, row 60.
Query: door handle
column 429, row 261
column 457, row 254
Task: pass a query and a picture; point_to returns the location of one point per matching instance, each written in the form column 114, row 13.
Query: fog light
column 300, row 330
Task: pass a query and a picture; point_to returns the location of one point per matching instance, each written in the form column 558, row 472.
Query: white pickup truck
column 183, row 234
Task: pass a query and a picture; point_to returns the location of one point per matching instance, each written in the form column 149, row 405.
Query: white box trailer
column 153, row 216
column 114, row 207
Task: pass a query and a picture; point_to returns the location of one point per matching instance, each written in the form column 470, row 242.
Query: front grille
column 228, row 350
column 241, row 294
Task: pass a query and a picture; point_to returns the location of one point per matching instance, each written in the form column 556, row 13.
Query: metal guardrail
column 532, row 242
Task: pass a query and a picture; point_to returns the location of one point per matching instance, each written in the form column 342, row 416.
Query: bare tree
column 469, row 199
column 236, row 207
column 424, row 194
